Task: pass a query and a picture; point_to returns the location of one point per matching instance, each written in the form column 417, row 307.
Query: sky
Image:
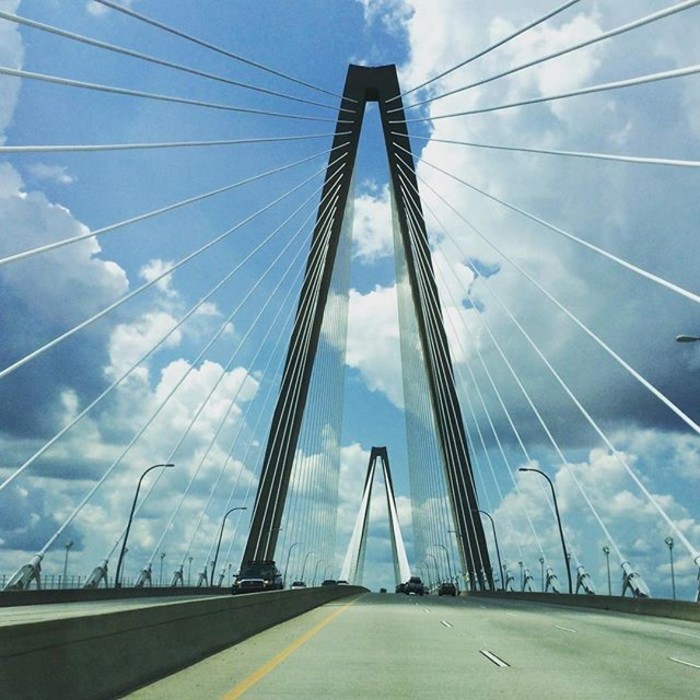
column 646, row 214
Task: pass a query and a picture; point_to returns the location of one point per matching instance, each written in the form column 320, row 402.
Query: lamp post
column 189, row 570
column 561, row 530
column 438, row 575
column 669, row 544
column 289, row 554
column 160, row 574
column 449, row 563
column 218, row 544
column 687, row 338
column 117, row 582
column 303, row 568
column 606, row 551
column 542, row 572
column 313, row 580
column 68, row 546
column 522, row 577
column 495, row 539
column 422, row 573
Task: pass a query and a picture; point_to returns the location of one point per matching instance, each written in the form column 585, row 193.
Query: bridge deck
column 392, row 646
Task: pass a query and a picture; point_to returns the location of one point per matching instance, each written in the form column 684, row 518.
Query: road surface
column 396, row 646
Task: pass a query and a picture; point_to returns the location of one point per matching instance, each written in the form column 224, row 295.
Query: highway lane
column 394, row 646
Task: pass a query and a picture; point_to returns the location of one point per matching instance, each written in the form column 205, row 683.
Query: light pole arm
column 128, row 525
column 498, row 551
column 218, row 544
column 561, row 529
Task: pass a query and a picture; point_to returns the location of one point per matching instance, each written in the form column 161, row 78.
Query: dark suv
column 447, row 588
column 256, row 576
column 414, row 585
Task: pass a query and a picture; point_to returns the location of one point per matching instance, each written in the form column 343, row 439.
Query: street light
column 68, row 546
column 669, row 544
column 687, row 338
column 303, row 568
column 427, row 578
column 160, row 575
column 117, row 583
column 449, row 563
column 438, row 575
column 218, row 544
column 522, row 576
column 313, row 580
column 189, row 570
column 606, row 551
column 495, row 539
column 542, row 572
column 289, row 554
column 561, row 531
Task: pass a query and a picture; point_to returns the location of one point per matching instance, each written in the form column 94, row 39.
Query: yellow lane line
column 274, row 662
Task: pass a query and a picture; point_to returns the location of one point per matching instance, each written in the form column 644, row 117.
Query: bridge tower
column 355, row 556
column 365, row 85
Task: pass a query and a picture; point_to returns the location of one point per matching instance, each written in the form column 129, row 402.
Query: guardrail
column 103, row 655
column 677, row 609
column 83, row 595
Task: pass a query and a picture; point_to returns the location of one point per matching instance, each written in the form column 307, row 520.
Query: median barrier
column 103, row 655
column 677, row 609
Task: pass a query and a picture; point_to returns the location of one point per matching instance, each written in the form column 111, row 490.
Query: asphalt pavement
column 397, row 646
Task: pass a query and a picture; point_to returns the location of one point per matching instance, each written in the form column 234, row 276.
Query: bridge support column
column 365, row 85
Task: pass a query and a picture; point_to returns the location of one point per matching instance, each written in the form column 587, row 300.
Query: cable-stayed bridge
column 258, row 269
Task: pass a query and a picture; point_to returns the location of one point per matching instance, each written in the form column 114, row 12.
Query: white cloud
column 154, row 269
column 392, row 14
column 371, row 231
column 97, row 10
column 129, row 341
column 373, row 341
column 54, row 173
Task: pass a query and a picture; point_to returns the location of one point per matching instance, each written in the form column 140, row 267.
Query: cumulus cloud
column 97, row 10
column 391, row 14
column 371, row 231
column 154, row 269
column 54, row 173
column 45, row 296
column 373, row 336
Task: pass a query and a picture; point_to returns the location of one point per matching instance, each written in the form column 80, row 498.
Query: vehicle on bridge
column 297, row 585
column 447, row 588
column 256, row 576
column 414, row 585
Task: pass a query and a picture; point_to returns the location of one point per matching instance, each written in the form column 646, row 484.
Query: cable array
column 265, row 266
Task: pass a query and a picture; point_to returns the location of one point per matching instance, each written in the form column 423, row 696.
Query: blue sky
column 644, row 213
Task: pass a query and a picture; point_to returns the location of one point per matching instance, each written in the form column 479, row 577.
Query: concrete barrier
column 11, row 599
column 678, row 609
column 101, row 656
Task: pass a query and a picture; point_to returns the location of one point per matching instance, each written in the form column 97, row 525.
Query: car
column 401, row 588
column 342, row 582
column 382, row 590
column 447, row 588
column 330, row 582
column 296, row 585
column 257, row 576
column 414, row 585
